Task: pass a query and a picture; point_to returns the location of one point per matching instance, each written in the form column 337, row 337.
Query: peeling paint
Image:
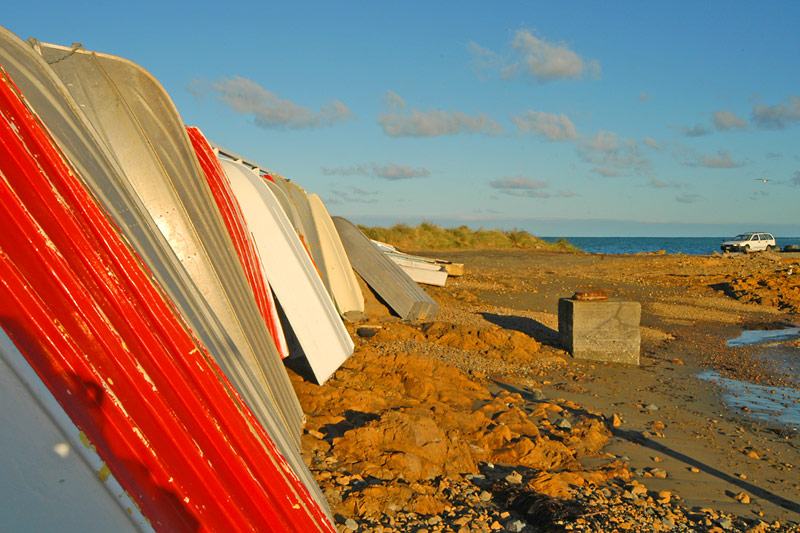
column 144, row 374
column 141, row 436
column 86, row 442
column 104, row 473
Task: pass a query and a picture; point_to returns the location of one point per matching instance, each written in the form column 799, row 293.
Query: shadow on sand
column 528, row 326
column 637, row 437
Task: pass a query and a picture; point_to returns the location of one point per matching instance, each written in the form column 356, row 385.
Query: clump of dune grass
column 429, row 236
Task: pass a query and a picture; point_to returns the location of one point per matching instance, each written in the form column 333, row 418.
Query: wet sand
column 597, row 447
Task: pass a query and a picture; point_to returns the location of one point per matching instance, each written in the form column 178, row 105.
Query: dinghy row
column 153, row 288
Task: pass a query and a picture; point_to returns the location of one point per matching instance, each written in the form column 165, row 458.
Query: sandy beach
column 478, row 420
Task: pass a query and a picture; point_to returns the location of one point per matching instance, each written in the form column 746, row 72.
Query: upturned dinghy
column 139, row 123
column 97, row 168
column 100, row 337
column 343, row 287
column 452, row 269
column 291, row 274
column 388, row 280
column 240, row 235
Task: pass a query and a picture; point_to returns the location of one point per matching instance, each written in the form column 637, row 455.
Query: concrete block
column 600, row 330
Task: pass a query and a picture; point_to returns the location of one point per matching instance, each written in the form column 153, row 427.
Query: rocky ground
column 477, row 420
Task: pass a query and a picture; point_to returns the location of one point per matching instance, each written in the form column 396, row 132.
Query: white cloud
column 775, row 117
column 656, row 183
column 436, row 123
column 400, row 172
column 354, row 195
column 483, row 58
column 393, row 101
column 390, row 171
column 726, row 120
column 722, row 159
column 521, row 186
column 607, row 172
column 697, row 131
column 604, row 141
column 536, row 58
column 651, row 143
column 554, row 127
column 246, row 97
column 613, row 157
column 398, row 123
column 688, row 198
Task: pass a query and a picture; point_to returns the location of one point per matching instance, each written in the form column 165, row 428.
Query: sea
column 670, row 245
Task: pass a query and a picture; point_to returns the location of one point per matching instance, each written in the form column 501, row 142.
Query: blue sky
column 624, row 118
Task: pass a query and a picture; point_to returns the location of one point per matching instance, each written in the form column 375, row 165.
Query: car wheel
column 747, row 248
column 771, row 248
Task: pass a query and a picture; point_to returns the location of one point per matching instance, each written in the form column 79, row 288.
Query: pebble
column 563, row 423
column 515, row 526
column 652, row 407
column 351, row 524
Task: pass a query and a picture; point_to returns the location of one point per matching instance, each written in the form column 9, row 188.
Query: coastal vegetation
column 431, row 236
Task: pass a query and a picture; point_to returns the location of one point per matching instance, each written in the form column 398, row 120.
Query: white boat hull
column 291, row 274
column 421, row 272
column 343, row 287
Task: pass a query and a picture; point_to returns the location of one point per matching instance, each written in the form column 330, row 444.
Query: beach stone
column 351, row 524
column 516, row 526
column 658, row 473
column 614, row 421
column 563, row 423
column 605, row 331
column 537, row 395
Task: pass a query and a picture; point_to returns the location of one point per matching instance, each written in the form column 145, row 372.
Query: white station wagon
column 750, row 242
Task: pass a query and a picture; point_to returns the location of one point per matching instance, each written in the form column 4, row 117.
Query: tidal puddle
column 770, row 404
column 776, row 405
column 764, row 336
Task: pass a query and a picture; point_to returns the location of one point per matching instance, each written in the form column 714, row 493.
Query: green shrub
column 430, row 236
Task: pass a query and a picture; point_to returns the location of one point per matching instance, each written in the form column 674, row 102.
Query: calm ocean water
column 671, row 245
